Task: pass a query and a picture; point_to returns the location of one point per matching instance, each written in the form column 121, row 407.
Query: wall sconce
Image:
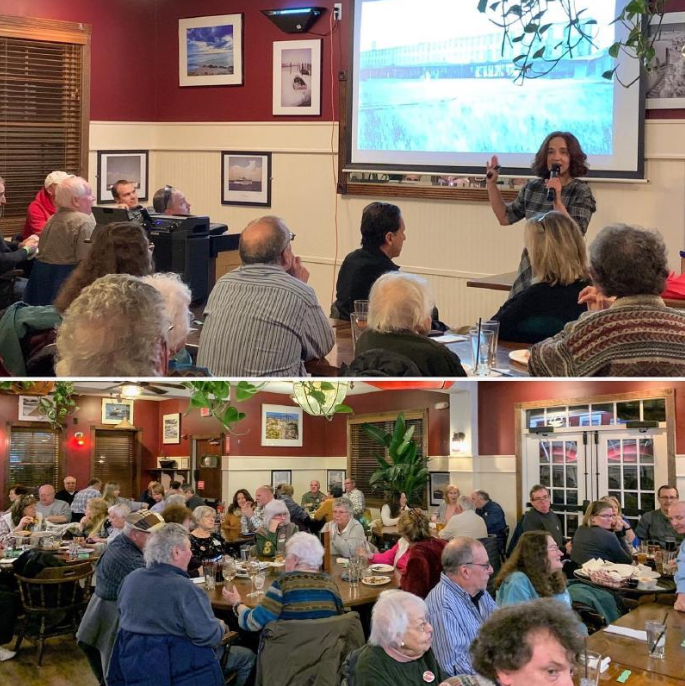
column 458, row 442
column 79, row 439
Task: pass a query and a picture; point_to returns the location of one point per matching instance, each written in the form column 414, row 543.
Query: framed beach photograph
column 281, row 476
column 665, row 80
column 439, row 481
column 297, row 77
column 210, row 51
column 336, row 477
column 246, row 178
column 29, row 409
column 282, row 425
column 171, row 428
column 115, row 411
column 114, row 165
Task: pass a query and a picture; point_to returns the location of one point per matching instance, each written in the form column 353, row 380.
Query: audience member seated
column 92, row 524
column 448, row 507
column 81, row 498
column 637, row 335
column 277, row 529
column 98, row 629
column 15, row 492
column 157, row 494
column 676, row 514
column 15, row 254
column 20, row 518
column 167, row 629
column 112, row 494
column 533, row 571
column 301, row 592
column 493, row 514
column 192, row 499
column 64, row 241
column 298, row 516
column 254, row 516
column 347, row 534
column 117, row 248
column 465, row 521
column 116, row 520
column 459, row 604
column 400, row 308
column 556, row 249
column 68, row 492
column 392, row 509
column 170, row 200
column 178, row 514
column 313, row 497
column 125, row 194
column 205, row 543
column 234, row 522
column 540, row 517
column 399, row 647
column 530, row 644
column 355, row 496
column 325, row 510
column 595, row 539
column 620, row 525
column 42, row 207
column 263, row 319
column 656, row 525
column 51, row 509
column 117, row 327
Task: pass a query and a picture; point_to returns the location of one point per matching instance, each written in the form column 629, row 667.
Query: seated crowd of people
column 93, row 305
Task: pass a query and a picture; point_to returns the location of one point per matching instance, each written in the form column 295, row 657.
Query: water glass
column 230, row 571
column 359, row 322
column 589, row 666
column 656, row 639
column 481, row 350
column 210, row 574
column 259, row 581
column 492, row 325
column 361, row 306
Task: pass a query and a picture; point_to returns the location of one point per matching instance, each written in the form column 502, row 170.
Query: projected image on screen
column 432, row 86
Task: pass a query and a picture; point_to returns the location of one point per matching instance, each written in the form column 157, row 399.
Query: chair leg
column 20, row 638
column 39, row 654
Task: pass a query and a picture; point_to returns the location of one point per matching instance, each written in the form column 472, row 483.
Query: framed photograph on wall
column 282, row 425
column 281, row 476
column 665, row 81
column 115, row 411
column 439, row 481
column 29, row 409
column 297, row 77
column 246, row 178
column 114, row 165
column 210, row 51
column 171, row 428
column 337, row 477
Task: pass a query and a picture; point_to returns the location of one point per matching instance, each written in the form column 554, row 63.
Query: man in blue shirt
column 676, row 513
column 493, row 514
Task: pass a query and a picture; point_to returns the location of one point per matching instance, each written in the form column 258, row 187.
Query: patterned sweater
column 636, row 336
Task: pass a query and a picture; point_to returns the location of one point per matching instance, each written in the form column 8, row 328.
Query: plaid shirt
column 532, row 199
column 356, row 497
column 120, row 558
column 81, row 499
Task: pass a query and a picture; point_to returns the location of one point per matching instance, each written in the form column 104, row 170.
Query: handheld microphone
column 553, row 174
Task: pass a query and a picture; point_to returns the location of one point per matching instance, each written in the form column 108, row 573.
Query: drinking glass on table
column 656, row 639
column 353, row 571
column 492, row 325
column 359, row 321
column 361, row 306
column 481, row 350
column 230, row 571
column 589, row 666
column 259, row 581
column 642, row 553
column 252, row 571
column 209, row 568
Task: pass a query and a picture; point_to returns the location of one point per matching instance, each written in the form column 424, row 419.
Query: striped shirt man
column 456, row 618
column 81, row 499
column 261, row 321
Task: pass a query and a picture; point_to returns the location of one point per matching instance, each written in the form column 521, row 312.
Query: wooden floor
column 63, row 665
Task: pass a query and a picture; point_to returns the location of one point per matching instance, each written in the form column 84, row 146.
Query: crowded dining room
column 364, row 188
column 328, row 532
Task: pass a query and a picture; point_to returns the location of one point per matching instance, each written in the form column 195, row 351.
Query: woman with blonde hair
column 449, row 506
column 595, row 538
column 93, row 524
column 620, row 525
column 559, row 262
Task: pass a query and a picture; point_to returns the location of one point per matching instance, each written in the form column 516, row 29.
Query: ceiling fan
column 134, row 389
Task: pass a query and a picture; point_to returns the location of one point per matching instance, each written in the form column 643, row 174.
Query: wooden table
column 638, row 677
column 634, row 655
column 496, row 282
column 351, row 597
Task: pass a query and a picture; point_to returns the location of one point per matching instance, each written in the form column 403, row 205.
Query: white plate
column 520, row 356
column 376, row 580
column 624, row 571
column 7, row 561
column 385, row 569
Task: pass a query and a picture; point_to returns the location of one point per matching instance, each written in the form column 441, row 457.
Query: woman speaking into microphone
column 559, row 163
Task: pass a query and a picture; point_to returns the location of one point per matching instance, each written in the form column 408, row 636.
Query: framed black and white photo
column 281, row 476
column 115, row 411
column 439, row 481
column 210, row 51
column 665, row 80
column 246, row 178
column 116, row 165
column 282, row 425
column 335, row 477
column 29, row 409
column 297, row 77
column 171, row 428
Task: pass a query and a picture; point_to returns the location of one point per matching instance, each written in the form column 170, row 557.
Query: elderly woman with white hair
column 205, row 542
column 301, row 592
column 399, row 648
column 277, row 528
column 116, row 520
column 400, row 307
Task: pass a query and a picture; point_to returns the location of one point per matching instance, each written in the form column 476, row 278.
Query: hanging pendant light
column 320, row 398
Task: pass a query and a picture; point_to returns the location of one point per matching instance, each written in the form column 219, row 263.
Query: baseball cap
column 56, row 177
column 145, row 521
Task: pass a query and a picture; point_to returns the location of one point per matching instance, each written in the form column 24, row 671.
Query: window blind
column 34, row 457
column 113, row 459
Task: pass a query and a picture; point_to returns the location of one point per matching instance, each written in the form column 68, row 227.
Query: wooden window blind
column 44, row 107
column 34, row 457
column 114, row 459
column 361, row 448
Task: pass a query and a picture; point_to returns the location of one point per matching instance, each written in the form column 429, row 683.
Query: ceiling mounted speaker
column 294, row 20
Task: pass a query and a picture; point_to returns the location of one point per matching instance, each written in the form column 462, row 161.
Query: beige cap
column 146, row 521
column 56, row 177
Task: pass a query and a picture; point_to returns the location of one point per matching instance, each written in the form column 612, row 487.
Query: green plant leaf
column 377, row 434
column 341, row 408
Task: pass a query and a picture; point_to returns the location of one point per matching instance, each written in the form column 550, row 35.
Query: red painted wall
column 496, row 402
